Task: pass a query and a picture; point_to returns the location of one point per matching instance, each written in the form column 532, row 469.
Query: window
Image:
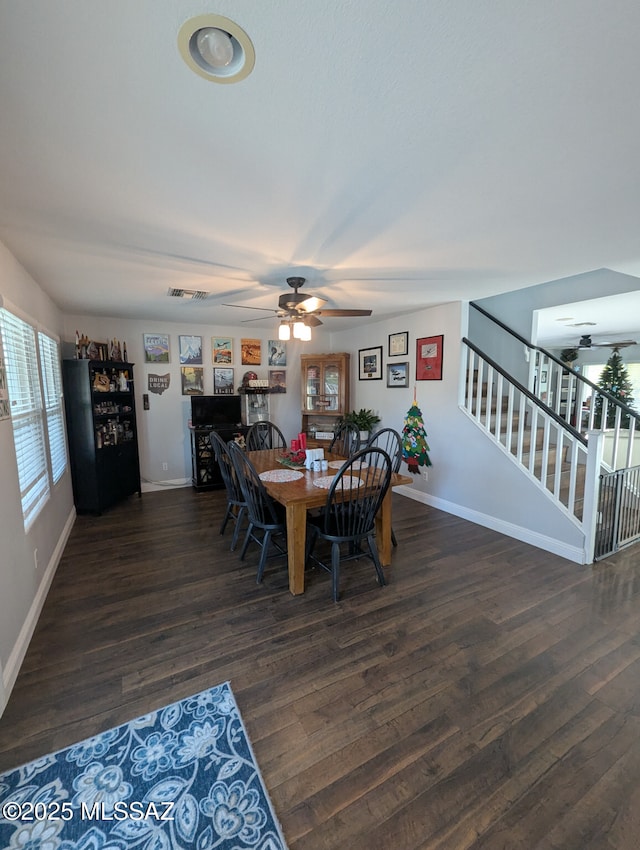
column 52, row 387
column 29, row 415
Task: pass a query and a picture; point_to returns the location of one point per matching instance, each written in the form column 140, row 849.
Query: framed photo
column 429, row 358
column 277, row 381
column 397, row 374
column 156, row 348
column 399, row 344
column 190, row 350
column 276, row 353
column 222, row 380
column 251, row 352
column 370, row 364
column 192, row 380
column 221, row 350
column 543, row 376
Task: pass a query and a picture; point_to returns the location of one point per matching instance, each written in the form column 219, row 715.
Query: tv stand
column 205, row 472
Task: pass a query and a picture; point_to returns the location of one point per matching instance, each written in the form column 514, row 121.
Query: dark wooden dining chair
column 390, row 440
column 267, row 519
column 346, row 439
column 347, row 520
column 264, row 435
column 236, row 504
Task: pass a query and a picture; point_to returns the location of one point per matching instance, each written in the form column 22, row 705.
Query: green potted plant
column 364, row 419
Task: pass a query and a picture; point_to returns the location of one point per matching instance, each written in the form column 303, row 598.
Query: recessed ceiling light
column 216, row 48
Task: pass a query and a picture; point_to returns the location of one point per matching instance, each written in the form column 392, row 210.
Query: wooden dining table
column 300, row 495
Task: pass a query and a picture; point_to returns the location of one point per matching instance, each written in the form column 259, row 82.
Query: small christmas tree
column 414, row 440
column 615, row 380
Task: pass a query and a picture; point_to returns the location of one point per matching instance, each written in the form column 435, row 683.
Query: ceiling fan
column 586, row 342
column 298, row 313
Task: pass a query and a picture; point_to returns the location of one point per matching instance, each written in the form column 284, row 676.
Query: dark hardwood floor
column 488, row 697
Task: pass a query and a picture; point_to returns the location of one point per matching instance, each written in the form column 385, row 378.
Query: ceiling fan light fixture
column 284, row 331
column 298, row 329
column 306, row 333
column 216, row 48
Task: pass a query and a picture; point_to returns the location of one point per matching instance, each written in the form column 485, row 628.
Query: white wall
column 22, row 586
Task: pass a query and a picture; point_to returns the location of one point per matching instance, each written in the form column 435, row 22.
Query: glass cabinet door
column 331, row 386
column 313, row 386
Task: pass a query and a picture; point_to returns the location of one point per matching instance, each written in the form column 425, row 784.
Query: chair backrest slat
column 264, row 435
column 390, row 440
column 346, row 439
column 356, row 494
column 260, row 505
column 225, row 464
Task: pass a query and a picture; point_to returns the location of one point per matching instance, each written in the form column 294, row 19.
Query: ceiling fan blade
column 246, row 307
column 323, row 312
column 312, row 320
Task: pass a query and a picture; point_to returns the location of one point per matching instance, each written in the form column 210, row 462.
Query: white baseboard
column 154, row 486
column 526, row 535
column 17, row 654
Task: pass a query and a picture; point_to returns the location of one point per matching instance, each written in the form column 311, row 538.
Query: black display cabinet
column 205, row 472
column 101, row 425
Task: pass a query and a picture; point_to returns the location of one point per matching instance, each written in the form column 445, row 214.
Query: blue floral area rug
column 181, row 777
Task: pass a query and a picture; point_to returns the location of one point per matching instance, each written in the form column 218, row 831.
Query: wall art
column 429, row 358
column 190, row 350
column 156, row 348
column 370, row 364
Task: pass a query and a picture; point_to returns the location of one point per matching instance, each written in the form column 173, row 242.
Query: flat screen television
column 216, row 411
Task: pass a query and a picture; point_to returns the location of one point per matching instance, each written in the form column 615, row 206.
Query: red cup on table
column 295, row 445
column 302, row 438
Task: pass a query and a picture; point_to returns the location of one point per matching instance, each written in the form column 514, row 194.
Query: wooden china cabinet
column 325, row 394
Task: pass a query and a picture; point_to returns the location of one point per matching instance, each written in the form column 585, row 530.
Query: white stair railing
column 551, row 452
column 581, row 403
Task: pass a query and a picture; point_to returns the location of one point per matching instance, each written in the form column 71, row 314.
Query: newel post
column 595, row 447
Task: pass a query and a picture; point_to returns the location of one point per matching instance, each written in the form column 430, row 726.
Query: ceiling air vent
column 192, row 294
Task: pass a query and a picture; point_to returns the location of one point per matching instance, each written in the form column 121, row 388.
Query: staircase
column 576, row 469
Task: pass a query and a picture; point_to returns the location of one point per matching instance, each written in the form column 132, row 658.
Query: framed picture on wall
column 277, row 381
column 397, row 374
column 192, row 380
column 399, row 344
column 251, row 351
column 429, row 358
column 370, row 364
column 190, row 350
column 276, row 353
column 156, row 348
column 222, row 380
column 221, row 350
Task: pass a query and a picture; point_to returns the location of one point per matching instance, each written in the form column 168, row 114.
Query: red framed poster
column 429, row 358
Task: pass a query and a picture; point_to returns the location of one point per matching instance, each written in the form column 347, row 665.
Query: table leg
column 383, row 530
column 296, row 542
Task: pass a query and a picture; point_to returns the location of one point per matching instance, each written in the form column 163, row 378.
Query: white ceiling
column 397, row 155
column 613, row 318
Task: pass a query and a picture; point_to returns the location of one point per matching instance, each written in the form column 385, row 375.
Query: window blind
column 25, row 401
column 52, row 387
